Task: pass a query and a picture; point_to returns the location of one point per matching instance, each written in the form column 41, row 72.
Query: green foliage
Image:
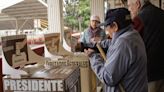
column 74, row 11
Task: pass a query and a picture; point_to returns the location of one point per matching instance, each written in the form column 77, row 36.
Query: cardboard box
column 56, row 79
column 87, row 76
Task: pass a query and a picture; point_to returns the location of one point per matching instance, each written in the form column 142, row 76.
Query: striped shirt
column 126, row 62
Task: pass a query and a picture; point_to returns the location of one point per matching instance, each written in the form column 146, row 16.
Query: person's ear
column 115, row 25
column 138, row 3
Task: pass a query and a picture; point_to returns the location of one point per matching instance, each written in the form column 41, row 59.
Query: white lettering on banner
column 47, row 85
column 54, row 83
column 7, row 84
column 24, row 85
column 33, row 85
column 29, row 85
column 60, row 86
column 18, row 83
column 12, row 85
column 41, row 86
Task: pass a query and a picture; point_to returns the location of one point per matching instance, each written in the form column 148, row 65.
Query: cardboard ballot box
column 87, row 76
column 56, row 79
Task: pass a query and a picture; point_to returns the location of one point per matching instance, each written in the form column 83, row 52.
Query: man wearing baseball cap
column 93, row 32
column 124, row 69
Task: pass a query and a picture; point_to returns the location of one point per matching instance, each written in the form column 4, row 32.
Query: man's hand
column 88, row 52
column 95, row 40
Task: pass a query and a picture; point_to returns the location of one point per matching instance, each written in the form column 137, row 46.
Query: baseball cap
column 119, row 15
column 95, row 17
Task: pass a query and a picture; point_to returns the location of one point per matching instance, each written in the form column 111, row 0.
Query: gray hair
column 141, row 1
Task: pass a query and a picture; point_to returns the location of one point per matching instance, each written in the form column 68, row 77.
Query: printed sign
column 33, row 85
column 84, row 63
column 52, row 42
column 56, row 79
column 15, row 50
